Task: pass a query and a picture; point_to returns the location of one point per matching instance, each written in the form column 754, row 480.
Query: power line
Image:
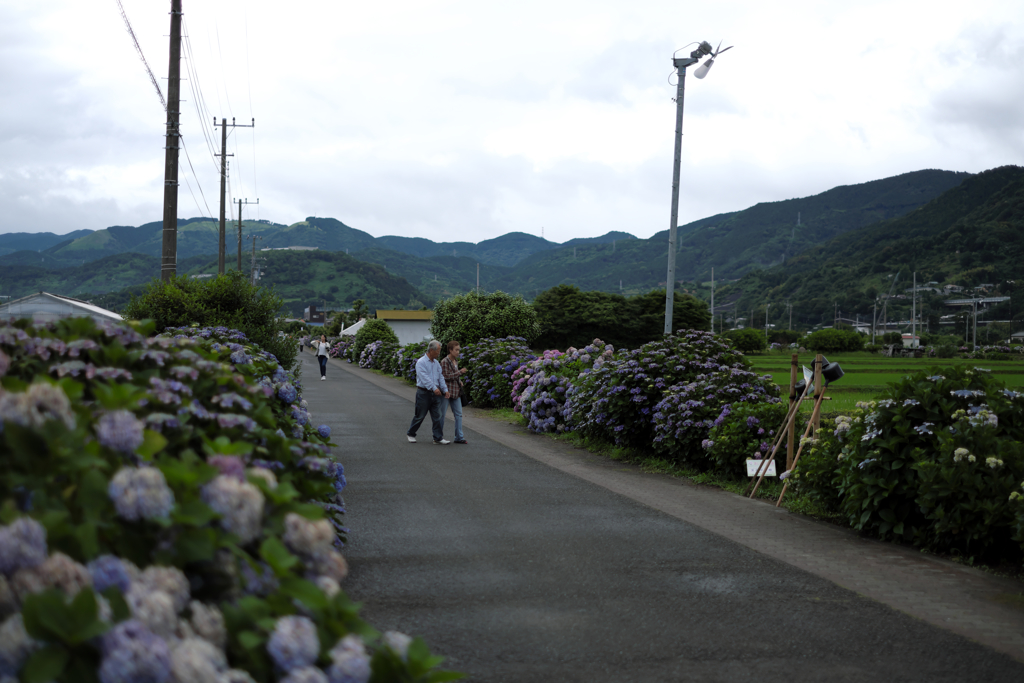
column 135, row 41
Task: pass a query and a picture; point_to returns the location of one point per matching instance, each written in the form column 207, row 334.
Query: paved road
column 520, row 560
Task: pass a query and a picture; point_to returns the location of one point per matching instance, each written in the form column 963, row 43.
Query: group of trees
column 568, row 316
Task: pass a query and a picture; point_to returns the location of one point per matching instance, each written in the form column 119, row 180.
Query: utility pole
column 478, row 279
column 169, row 251
column 766, row 307
column 240, row 202
column 222, row 243
column 712, row 299
column 913, row 314
column 252, row 274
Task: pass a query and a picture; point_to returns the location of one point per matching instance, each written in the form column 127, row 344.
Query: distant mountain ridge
column 732, row 243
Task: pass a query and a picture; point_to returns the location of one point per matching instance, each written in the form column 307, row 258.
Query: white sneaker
column 322, row 379
column 442, row 442
column 412, row 439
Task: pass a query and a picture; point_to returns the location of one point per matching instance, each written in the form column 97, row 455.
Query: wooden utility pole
column 252, row 275
column 169, row 252
column 222, row 240
column 240, row 202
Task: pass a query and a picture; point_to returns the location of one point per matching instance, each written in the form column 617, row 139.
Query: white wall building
column 409, row 326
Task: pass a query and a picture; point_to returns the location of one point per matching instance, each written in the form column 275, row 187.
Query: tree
column 834, row 341
column 371, row 331
column 747, row 340
column 471, row 317
column 359, row 310
column 569, row 316
column 230, row 300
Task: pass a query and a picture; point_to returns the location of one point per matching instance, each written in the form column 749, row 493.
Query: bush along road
column 169, row 514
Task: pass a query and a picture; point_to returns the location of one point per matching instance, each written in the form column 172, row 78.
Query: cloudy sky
column 464, row 120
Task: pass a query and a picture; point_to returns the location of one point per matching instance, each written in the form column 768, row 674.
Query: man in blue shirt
column 430, row 388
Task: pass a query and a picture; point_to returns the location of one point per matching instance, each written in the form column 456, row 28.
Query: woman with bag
column 453, row 378
column 322, row 347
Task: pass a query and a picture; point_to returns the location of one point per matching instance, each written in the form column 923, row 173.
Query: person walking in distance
column 322, row 347
column 453, row 378
column 431, row 390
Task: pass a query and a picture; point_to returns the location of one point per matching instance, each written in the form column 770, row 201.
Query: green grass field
column 868, row 374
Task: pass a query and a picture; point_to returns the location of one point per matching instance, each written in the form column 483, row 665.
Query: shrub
column 689, row 411
column 379, row 355
column 945, row 351
column 407, row 357
column 901, row 474
column 372, row 330
column 228, row 300
column 616, row 401
column 473, row 317
column 342, row 347
column 746, row 432
column 834, row 341
column 747, row 340
column 185, row 472
column 542, row 387
column 490, row 364
column 814, row 476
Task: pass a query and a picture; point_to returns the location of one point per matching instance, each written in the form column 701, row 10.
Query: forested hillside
column 971, row 235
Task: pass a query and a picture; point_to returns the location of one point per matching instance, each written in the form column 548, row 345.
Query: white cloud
column 474, row 119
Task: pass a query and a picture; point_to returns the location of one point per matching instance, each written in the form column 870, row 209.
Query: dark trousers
column 323, row 365
column 427, row 401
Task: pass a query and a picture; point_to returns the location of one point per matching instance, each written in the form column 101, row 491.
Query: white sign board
column 753, row 465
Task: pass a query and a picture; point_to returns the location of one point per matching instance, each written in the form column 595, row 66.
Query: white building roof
column 46, row 307
column 349, row 331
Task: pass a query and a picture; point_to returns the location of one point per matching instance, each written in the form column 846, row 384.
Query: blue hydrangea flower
column 107, row 571
column 22, row 545
column 140, row 493
column 324, row 431
column 287, row 393
column 120, row 430
column 350, row 662
column 294, row 643
column 134, row 654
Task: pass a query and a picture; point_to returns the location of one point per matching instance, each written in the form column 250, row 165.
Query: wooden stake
column 810, row 424
column 791, row 433
column 790, row 418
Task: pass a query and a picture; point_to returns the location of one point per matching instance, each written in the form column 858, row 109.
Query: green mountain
column 327, row 279
column 969, row 236
column 731, row 243
column 35, row 241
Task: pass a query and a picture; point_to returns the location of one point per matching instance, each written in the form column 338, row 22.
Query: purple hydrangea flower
column 294, row 643
column 229, row 466
column 324, row 431
column 350, row 662
column 120, row 430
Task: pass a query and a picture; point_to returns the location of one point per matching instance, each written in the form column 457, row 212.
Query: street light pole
column 680, row 64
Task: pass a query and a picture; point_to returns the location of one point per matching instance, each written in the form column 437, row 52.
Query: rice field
column 868, row 374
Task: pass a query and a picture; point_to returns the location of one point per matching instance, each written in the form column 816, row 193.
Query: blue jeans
column 456, row 406
column 323, row 365
column 427, row 401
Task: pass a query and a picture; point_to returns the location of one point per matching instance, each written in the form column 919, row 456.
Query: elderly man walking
column 430, row 390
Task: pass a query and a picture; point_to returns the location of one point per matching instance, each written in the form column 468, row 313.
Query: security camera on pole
column 680, row 63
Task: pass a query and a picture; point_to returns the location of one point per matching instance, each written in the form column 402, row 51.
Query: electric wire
column 248, row 82
column 138, row 49
column 198, row 184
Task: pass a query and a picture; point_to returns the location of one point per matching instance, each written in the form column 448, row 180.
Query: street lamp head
column 703, row 69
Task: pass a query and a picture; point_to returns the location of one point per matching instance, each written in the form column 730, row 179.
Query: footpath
column 520, row 558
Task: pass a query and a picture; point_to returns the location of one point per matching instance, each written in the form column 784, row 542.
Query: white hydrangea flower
column 240, row 505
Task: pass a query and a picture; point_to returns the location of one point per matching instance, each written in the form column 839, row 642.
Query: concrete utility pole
column 252, row 274
column 240, row 202
column 169, row 251
column 222, row 241
column 712, row 300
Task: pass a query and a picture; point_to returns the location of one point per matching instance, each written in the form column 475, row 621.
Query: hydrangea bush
column 617, row 400
column 935, row 462
column 407, row 357
column 690, row 410
column 491, row 363
column 746, row 431
column 169, row 513
column 342, row 348
column 541, row 388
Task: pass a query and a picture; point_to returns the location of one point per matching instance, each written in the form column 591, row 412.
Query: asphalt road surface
column 516, row 571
